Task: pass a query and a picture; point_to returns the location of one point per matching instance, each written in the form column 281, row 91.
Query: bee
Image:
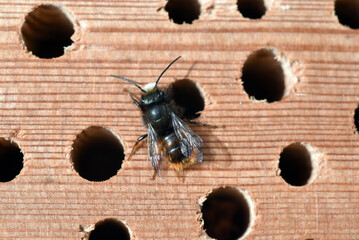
column 168, row 136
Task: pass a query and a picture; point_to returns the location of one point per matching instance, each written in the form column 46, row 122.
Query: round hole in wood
column 188, row 96
column 253, row 9
column 347, row 12
column 227, row 213
column 267, row 75
column 356, row 119
column 97, row 154
column 183, row 11
column 47, row 31
column 110, row 229
column 298, row 164
column 11, row 160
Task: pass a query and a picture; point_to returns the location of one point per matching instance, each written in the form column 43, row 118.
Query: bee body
column 168, row 135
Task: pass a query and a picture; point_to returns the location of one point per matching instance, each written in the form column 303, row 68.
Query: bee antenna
column 166, row 69
column 129, row 81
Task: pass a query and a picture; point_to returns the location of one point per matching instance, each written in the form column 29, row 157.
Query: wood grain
column 45, row 103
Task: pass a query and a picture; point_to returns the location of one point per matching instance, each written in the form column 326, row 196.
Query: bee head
column 152, row 95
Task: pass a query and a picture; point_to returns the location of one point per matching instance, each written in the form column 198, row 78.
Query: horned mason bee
column 168, row 137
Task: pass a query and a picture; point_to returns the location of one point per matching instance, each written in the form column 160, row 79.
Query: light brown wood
column 45, row 103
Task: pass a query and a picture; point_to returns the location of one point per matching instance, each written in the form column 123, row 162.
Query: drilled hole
column 266, row 75
column 253, row 9
column 227, row 214
column 110, row 229
column 347, row 12
column 11, row 159
column 47, row 30
column 183, row 11
column 298, row 164
column 97, row 154
column 188, row 96
column 356, row 119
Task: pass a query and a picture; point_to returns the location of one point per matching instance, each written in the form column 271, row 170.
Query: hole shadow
column 110, row 229
column 183, row 11
column 11, row 159
column 356, row 119
column 347, row 12
column 187, row 97
column 47, row 30
column 97, row 154
column 226, row 214
column 295, row 164
column 252, row 9
column 263, row 76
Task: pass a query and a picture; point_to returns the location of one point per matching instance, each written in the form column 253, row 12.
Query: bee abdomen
column 171, row 146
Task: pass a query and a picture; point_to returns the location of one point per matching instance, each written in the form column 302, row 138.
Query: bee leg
column 136, row 144
column 154, row 175
column 201, row 124
column 134, row 100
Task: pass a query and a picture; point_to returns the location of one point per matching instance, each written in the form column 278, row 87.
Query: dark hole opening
column 263, row 77
column 187, row 96
column 110, row 229
column 347, row 12
column 356, row 119
column 295, row 164
column 253, row 9
column 47, row 31
column 183, row 11
column 11, row 160
column 226, row 214
column 97, row 154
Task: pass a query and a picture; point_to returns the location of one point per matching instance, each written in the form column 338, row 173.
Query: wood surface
column 45, row 103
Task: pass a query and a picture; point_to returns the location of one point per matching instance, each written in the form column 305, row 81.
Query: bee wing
column 190, row 141
column 153, row 148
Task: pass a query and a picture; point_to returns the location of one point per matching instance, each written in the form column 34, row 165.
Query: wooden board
column 45, row 103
